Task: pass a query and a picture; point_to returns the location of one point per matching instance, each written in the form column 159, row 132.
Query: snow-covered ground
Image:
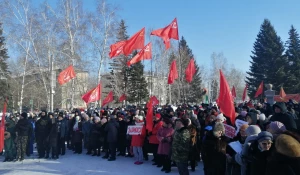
column 83, row 164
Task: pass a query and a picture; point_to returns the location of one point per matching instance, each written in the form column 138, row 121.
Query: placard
column 134, row 129
column 229, row 131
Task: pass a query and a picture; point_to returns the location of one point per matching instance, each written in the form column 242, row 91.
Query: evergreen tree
column 182, row 91
column 195, row 93
column 4, row 87
column 118, row 78
column 137, row 85
column 268, row 63
column 293, row 56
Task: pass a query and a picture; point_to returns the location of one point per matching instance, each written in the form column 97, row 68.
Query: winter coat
column 214, row 154
column 86, row 128
column 152, row 138
column 42, row 128
column 165, row 137
column 10, row 127
column 23, row 127
column 180, row 148
column 138, row 140
column 9, row 146
column 62, row 128
column 280, row 164
column 194, row 152
column 283, row 117
column 77, row 135
column 53, row 135
column 122, row 132
column 103, row 136
column 241, row 158
column 95, row 134
column 112, row 131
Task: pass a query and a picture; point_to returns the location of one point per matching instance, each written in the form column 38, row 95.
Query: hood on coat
column 280, row 105
column 253, row 117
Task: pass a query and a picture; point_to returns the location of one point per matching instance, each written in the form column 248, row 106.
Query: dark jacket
column 214, row 154
column 86, row 128
column 77, row 135
column 95, row 134
column 23, row 127
column 42, row 128
column 112, row 130
column 53, row 134
column 283, row 117
column 283, row 165
column 62, row 128
column 257, row 160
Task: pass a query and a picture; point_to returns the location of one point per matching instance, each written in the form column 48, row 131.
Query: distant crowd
column 266, row 143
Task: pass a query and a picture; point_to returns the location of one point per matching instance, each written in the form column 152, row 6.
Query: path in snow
column 75, row 164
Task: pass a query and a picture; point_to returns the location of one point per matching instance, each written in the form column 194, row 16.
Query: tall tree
column 293, row 56
column 4, row 88
column 268, row 63
column 195, row 93
column 118, row 78
column 137, row 85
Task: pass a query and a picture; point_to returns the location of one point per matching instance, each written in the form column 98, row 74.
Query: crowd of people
column 269, row 138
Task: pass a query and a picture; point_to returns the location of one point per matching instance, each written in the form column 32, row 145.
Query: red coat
column 153, row 139
column 138, row 140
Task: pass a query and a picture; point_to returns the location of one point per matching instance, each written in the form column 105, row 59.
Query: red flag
column 154, row 100
column 173, row 74
column 92, row 95
column 66, row 75
column 2, row 127
column 108, row 99
column 135, row 42
column 282, row 94
column 144, row 54
column 149, row 116
column 190, row 71
column 245, row 93
column 233, row 93
column 116, row 49
column 259, row 89
column 170, row 31
column 225, row 100
column 122, row 98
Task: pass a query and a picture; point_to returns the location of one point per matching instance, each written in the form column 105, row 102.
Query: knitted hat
column 252, row 130
column 262, row 117
column 287, row 145
column 244, row 113
column 218, row 127
column 277, row 127
column 157, row 115
column 97, row 118
column 264, row 135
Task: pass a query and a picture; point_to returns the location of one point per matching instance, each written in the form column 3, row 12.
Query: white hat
column 262, row 117
column 221, row 118
column 139, row 117
column 97, row 118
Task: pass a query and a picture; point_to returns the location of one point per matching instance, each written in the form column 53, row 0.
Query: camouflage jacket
column 181, row 145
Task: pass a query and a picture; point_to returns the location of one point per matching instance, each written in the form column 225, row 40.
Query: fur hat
column 218, row 127
column 244, row 113
column 221, row 118
column 287, row 145
column 97, row 118
column 252, row 130
column 264, row 135
column 104, row 120
column 167, row 120
column 24, row 115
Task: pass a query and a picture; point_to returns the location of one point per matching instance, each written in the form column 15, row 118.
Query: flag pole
column 151, row 80
column 170, row 95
